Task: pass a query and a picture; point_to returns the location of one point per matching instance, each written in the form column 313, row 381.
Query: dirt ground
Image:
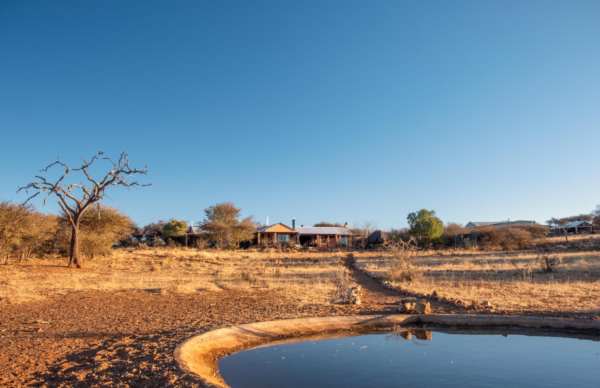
column 126, row 337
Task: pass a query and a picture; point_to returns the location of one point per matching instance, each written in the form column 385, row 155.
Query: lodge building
column 316, row 236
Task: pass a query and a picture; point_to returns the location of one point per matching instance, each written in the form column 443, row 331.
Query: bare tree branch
column 75, row 207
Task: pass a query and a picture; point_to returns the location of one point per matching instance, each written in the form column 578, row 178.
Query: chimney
column 346, row 226
column 267, row 221
column 294, row 223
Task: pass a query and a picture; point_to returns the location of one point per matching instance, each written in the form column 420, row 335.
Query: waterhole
column 419, row 358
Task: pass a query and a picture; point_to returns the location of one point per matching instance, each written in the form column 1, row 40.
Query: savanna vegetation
column 551, row 277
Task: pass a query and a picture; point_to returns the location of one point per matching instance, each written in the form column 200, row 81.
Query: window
column 281, row 238
column 323, row 240
column 344, row 241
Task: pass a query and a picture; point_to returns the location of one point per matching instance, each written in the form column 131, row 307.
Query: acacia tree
column 224, row 226
column 75, row 206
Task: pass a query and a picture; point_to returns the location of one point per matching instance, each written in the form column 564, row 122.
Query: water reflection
column 423, row 335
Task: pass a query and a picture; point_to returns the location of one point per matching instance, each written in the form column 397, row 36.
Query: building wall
column 271, row 236
column 323, row 242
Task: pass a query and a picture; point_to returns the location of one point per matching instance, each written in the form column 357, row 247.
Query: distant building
column 193, row 234
column 315, row 236
column 576, row 227
column 478, row 224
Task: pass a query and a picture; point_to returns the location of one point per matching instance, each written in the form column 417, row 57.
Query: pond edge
column 199, row 355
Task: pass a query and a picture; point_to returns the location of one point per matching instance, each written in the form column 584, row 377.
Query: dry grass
column 307, row 277
column 512, row 281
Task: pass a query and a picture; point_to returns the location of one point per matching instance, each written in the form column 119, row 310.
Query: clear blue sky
column 319, row 110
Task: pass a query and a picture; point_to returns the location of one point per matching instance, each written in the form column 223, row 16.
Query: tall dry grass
column 512, row 281
column 307, row 277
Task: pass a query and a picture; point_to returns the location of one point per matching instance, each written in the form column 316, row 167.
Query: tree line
column 222, row 227
column 86, row 225
column 26, row 232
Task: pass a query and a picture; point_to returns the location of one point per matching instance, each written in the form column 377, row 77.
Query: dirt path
column 379, row 300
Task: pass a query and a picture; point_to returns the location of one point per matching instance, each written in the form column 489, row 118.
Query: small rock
column 423, row 308
column 406, row 307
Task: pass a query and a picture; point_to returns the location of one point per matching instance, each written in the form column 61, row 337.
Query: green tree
column 174, row 228
column 425, row 224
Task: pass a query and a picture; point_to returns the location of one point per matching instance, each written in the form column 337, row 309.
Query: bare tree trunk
column 74, row 253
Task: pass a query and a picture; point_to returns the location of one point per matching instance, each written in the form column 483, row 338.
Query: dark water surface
column 435, row 360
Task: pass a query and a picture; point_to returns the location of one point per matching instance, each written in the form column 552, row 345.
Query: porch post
column 337, row 241
column 318, row 241
column 186, row 240
column 274, row 238
column 258, row 239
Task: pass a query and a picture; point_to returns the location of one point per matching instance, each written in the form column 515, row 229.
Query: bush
column 171, row 243
column 450, row 230
column 536, row 231
column 289, row 245
column 401, row 267
column 504, row 237
column 24, row 231
column 548, row 263
column 100, row 228
column 142, row 247
column 265, row 243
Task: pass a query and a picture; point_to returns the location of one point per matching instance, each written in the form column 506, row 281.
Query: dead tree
column 75, row 206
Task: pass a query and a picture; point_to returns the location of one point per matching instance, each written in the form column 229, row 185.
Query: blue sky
column 319, row 110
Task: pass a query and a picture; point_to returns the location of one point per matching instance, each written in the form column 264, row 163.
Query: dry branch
column 75, row 207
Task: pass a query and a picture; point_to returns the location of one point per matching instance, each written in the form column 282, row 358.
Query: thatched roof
column 377, row 237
